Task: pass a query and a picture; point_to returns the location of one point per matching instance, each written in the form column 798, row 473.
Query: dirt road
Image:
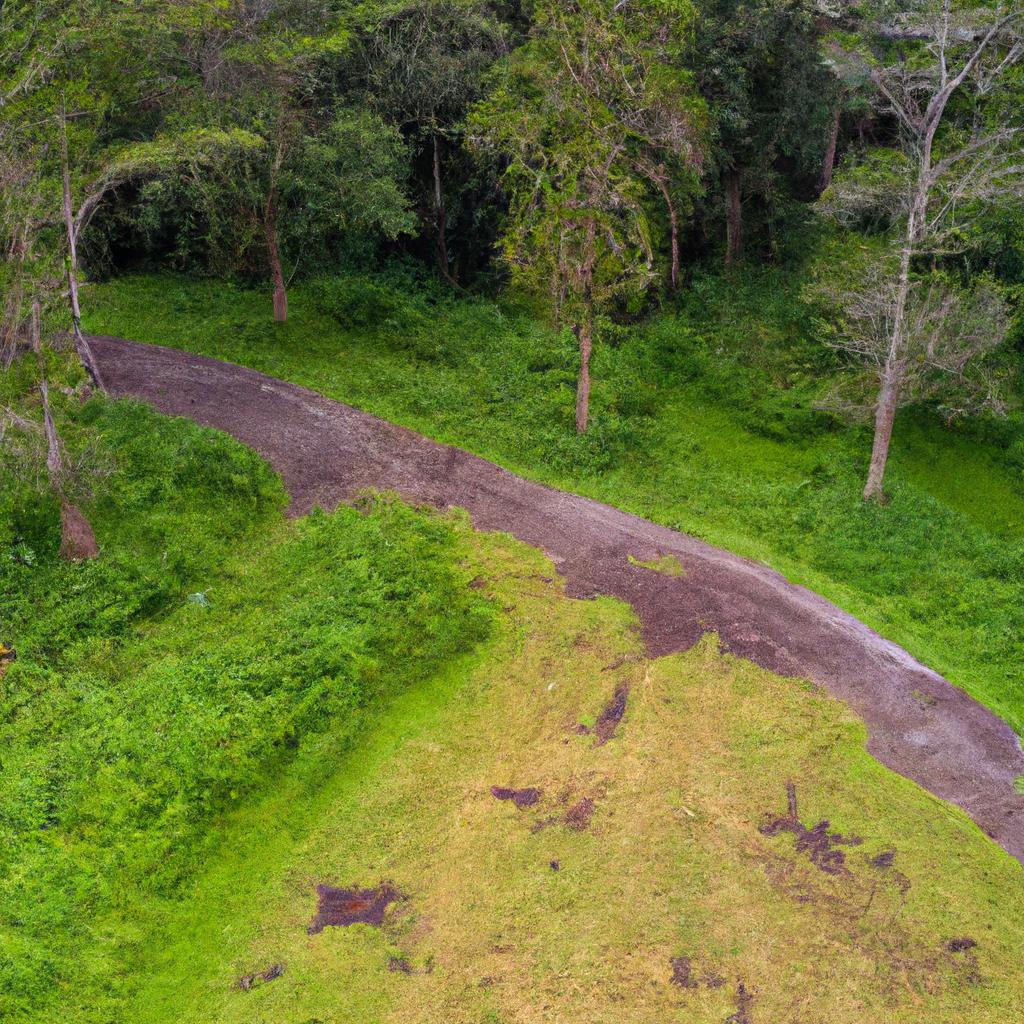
column 919, row 724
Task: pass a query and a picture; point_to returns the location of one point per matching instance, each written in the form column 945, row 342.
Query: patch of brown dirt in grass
column 578, row 816
column 520, row 797
column 608, row 720
column 821, row 845
column 744, row 1006
column 399, row 965
column 883, row 860
column 249, row 981
column 341, row 907
column 682, row 972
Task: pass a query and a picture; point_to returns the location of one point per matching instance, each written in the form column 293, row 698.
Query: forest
column 511, row 510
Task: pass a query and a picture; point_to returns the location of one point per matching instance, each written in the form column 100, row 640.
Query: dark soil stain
column 248, row 981
column 520, row 797
column 342, row 907
column 817, row 842
column 884, row 860
column 399, row 965
column 555, row 865
column 578, row 816
column 682, row 972
column 966, row 959
column 610, row 717
column 713, row 980
column 744, row 1006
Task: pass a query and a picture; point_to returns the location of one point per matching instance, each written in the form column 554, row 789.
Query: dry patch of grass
column 646, row 883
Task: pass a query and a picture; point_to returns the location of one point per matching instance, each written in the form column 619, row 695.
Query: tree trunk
column 81, row 344
column 585, row 329
column 885, row 414
column 584, row 333
column 441, row 220
column 673, row 223
column 77, row 540
column 733, row 218
column 828, row 162
column 274, row 255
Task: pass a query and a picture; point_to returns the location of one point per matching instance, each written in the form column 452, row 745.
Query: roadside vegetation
column 162, row 685
column 703, row 419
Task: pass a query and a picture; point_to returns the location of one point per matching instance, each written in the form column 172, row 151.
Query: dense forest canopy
column 591, row 154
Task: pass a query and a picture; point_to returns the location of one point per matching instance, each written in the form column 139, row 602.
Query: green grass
column 137, row 715
column 673, row 863
column 703, row 420
column 177, row 775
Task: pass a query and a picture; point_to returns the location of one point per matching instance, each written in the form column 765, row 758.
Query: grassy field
column 672, row 864
column 703, row 420
column 179, row 773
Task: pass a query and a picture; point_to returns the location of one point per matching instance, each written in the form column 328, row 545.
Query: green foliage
column 135, row 714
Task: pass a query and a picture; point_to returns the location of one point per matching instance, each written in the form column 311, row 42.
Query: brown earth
column 339, row 908
column 520, row 797
column 327, row 452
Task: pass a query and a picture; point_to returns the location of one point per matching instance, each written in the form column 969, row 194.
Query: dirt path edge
column 919, row 724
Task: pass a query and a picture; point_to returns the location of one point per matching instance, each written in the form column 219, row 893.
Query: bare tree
column 946, row 332
column 950, row 172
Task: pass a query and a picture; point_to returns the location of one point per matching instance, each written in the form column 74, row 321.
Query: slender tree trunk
column 274, row 255
column 81, row 344
column 828, row 162
column 585, row 334
column 733, row 218
column 77, row 540
column 441, row 220
column 673, row 224
column 885, row 414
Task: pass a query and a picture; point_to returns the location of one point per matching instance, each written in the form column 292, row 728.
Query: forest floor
column 327, row 452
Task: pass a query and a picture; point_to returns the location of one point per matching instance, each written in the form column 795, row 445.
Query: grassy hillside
column 644, row 859
column 179, row 773
column 703, row 420
column 171, row 680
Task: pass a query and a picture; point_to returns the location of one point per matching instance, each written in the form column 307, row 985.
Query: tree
column 588, row 117
column 421, row 65
column 942, row 75
column 772, row 101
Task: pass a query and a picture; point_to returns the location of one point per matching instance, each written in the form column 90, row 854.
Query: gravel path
column 919, row 724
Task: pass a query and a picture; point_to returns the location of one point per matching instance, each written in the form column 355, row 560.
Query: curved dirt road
column 919, row 724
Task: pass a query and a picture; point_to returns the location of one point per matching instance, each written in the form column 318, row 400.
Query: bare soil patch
column 249, row 981
column 821, row 845
column 578, row 816
column 520, row 797
column 608, row 720
column 339, row 908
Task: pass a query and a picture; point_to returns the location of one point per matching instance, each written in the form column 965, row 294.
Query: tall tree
column 421, row 64
column 942, row 72
column 772, row 98
column 585, row 124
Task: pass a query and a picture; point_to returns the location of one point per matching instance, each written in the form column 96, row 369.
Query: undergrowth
column 166, row 682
